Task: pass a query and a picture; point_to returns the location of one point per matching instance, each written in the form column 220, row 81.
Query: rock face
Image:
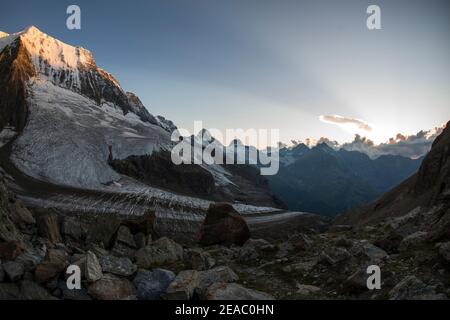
column 233, row 291
column 223, row 225
column 158, row 170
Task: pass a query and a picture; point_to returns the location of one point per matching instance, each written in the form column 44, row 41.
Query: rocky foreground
column 124, row 258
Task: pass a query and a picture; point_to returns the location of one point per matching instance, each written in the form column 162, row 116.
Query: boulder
column 221, row 274
column 150, row 285
column 31, row 258
column 413, row 241
column 389, row 241
column 102, row 230
column 198, row 259
column 93, row 270
column 357, row 282
column 124, row 244
column 74, row 228
column 140, row 239
column 10, row 250
column 48, row 225
column 110, row 287
column 234, row 291
column 159, row 252
column 183, row 286
column 120, row 266
column 223, row 225
column 125, row 237
column 253, row 248
column 13, row 270
column 300, row 242
column 366, row 250
column 21, row 216
column 54, row 263
column 140, row 224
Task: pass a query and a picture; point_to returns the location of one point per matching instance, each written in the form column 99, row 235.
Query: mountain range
column 66, row 122
column 328, row 181
column 73, row 125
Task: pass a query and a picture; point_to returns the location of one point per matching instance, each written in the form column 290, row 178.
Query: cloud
column 412, row 146
column 346, row 122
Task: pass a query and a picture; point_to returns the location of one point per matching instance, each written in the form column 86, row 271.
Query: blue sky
column 267, row 63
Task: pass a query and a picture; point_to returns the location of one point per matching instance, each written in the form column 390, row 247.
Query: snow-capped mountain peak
column 73, row 68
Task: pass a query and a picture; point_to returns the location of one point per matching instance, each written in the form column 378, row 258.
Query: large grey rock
column 198, row 259
column 74, row 228
column 13, row 270
column 150, row 285
column 159, row 252
column 110, row 287
column 412, row 288
column 221, row 274
column 234, row 291
column 93, row 271
column 120, row 266
column 183, row 286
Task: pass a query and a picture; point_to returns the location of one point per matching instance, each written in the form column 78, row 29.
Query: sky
column 310, row 68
